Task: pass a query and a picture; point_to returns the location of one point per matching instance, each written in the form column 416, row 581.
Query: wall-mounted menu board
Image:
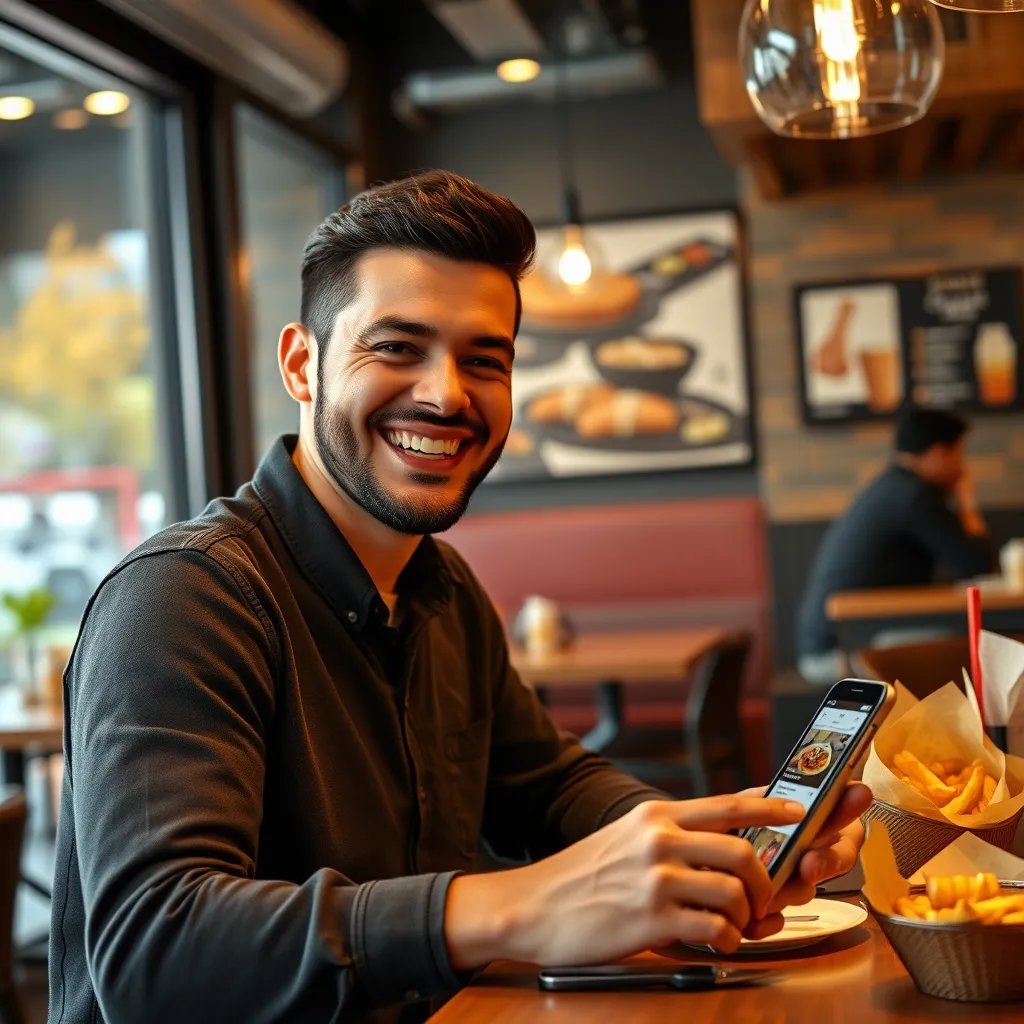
column 950, row 340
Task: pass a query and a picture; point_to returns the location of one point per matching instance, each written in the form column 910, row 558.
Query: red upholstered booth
column 642, row 565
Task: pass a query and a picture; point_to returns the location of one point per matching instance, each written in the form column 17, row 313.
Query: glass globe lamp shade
column 839, row 69
column 982, row 6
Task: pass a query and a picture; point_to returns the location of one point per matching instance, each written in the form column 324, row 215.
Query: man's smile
column 444, row 448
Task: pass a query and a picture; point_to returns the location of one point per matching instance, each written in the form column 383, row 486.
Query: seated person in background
column 292, row 721
column 920, row 513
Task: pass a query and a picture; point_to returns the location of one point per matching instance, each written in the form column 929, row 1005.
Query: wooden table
column 854, row 978
column 24, row 727
column 911, row 602
column 608, row 662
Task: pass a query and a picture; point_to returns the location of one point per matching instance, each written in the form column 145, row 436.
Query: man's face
column 414, row 397
column 944, row 463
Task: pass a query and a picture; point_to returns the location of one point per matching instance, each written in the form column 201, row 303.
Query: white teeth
column 426, row 445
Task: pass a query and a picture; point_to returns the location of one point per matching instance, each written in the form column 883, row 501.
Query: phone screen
column 821, row 753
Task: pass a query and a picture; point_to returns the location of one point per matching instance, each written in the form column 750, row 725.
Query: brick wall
column 810, row 473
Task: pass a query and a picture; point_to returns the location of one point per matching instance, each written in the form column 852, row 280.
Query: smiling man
column 292, row 726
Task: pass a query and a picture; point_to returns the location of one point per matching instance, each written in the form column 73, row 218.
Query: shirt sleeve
column 937, row 527
column 170, row 705
column 545, row 790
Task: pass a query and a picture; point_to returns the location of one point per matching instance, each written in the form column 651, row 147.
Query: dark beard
column 339, row 451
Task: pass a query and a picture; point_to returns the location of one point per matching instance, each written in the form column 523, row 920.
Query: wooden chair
column 706, row 755
column 922, row 667
column 13, row 812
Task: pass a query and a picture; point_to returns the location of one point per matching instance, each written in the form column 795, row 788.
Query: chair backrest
column 13, row 812
column 922, row 667
column 713, row 704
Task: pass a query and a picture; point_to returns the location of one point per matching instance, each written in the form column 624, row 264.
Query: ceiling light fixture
column 106, row 102
column 838, row 69
column 70, row 119
column 16, row 108
column 518, row 69
column 576, row 261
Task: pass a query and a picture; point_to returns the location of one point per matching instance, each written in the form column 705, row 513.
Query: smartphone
column 818, row 768
column 627, row 976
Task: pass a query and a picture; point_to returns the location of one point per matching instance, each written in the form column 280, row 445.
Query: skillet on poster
column 646, row 371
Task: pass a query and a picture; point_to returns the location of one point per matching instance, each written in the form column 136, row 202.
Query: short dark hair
column 437, row 211
column 918, row 429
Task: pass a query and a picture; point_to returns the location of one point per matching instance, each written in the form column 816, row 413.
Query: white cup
column 1011, row 560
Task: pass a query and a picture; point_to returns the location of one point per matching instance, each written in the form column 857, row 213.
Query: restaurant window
column 83, row 470
column 287, row 186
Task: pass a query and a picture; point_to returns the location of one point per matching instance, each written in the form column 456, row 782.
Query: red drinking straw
column 974, row 631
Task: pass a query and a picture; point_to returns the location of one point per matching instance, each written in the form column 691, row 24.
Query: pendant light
column 838, row 69
column 982, row 6
column 575, row 261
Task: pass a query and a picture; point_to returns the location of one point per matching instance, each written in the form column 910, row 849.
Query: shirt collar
column 324, row 555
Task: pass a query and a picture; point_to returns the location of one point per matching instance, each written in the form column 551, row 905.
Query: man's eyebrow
column 396, row 323
column 498, row 341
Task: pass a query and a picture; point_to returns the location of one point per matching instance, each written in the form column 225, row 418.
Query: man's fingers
column 728, row 854
column 772, row 924
column 712, row 890
column 835, row 859
column 855, row 800
column 702, row 928
column 724, row 813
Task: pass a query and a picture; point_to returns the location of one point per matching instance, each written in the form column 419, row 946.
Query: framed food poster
column 646, row 368
column 946, row 340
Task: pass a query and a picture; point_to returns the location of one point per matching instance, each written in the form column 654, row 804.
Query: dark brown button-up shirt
column 268, row 789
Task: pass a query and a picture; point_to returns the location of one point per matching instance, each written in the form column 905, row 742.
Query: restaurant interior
column 799, row 229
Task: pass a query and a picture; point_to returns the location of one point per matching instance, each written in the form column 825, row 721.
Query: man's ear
column 296, row 359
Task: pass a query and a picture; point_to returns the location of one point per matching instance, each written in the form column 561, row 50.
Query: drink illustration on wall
column 948, row 340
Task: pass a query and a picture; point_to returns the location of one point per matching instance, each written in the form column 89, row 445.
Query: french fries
column 961, row 898
column 956, row 787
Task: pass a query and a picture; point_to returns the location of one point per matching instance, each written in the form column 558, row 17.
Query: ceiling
column 414, row 39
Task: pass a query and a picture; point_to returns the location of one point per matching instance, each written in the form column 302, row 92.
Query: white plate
column 834, row 917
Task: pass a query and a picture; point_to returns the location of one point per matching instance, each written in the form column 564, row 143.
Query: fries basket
column 972, row 962
column 916, row 839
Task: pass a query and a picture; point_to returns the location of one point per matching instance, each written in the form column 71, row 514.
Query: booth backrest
column 694, row 562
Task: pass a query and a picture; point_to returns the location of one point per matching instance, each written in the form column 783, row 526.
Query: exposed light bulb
column 15, row 108
column 106, row 102
column 836, row 25
column 574, row 264
column 519, row 69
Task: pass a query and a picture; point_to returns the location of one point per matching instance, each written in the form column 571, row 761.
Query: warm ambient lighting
column 982, row 6
column 15, row 108
column 70, row 120
column 106, row 102
column 837, row 69
column 520, row 69
column 574, row 264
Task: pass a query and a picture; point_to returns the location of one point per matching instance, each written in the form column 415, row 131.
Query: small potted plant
column 30, row 612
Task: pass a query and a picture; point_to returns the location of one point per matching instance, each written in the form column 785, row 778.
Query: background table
column 854, row 978
column 912, row 602
column 608, row 662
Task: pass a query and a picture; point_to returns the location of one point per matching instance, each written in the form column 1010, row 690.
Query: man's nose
column 440, row 385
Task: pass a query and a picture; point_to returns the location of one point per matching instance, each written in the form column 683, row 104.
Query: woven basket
column 970, row 962
column 916, row 839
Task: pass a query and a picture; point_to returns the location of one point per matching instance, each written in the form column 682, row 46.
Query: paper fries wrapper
column 967, row 855
column 968, row 961
column 942, row 726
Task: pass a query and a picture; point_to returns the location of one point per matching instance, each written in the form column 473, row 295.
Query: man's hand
column 965, row 497
column 833, row 853
column 664, row 872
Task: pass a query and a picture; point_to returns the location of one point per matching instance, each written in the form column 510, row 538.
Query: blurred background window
column 286, row 187
column 83, row 473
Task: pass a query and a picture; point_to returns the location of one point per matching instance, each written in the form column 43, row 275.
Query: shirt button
column 412, row 995
column 423, row 794
column 352, row 616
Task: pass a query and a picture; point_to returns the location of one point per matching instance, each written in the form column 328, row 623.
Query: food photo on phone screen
column 816, row 759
